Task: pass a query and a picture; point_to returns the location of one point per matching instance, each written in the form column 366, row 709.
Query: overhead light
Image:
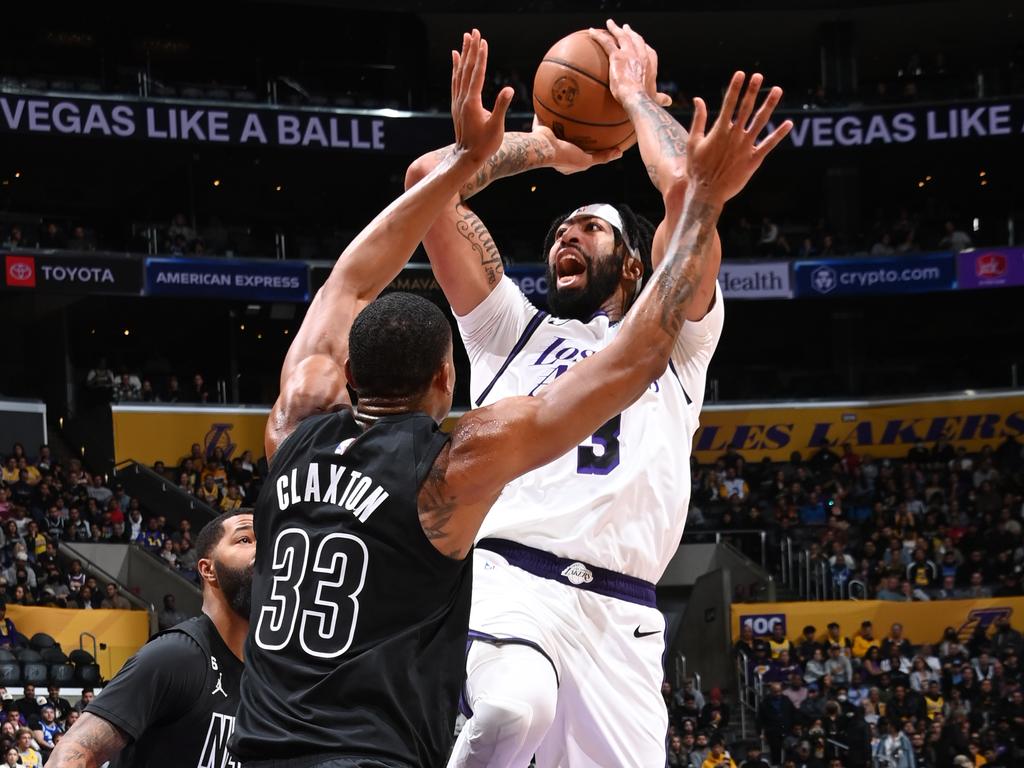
column 920, row 184
column 127, row 332
column 259, row 335
column 278, row 188
column 984, row 182
column 216, row 182
column 533, row 188
column 981, row 174
column 241, row 327
column 17, row 174
column 285, row 331
column 927, row 178
column 976, row 224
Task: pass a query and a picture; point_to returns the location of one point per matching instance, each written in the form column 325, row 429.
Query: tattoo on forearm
column 680, row 273
column 671, row 135
column 437, row 507
column 475, row 233
column 517, row 153
column 91, row 741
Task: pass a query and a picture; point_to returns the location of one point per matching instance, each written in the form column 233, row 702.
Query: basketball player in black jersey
column 355, row 655
column 173, row 703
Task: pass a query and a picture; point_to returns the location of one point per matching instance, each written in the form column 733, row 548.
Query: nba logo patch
column 20, row 271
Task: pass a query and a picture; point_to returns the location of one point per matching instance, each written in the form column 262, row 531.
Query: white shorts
column 607, row 654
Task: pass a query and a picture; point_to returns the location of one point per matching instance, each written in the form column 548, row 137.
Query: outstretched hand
column 478, row 132
column 723, row 160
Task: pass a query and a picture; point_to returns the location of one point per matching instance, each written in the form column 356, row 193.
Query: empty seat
column 80, row 656
column 28, row 655
column 34, row 672
column 88, row 674
column 41, row 641
column 6, row 655
column 10, row 673
column 53, row 656
column 61, row 674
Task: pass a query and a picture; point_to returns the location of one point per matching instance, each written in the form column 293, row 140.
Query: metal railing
column 697, row 537
column 813, row 578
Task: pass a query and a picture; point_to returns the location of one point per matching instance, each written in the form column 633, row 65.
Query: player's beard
column 603, row 277
column 236, row 584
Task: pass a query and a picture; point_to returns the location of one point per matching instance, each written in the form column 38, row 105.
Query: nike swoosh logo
column 638, row 633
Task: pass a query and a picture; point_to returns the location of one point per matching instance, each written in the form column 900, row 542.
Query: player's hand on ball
column 478, row 132
column 632, row 64
column 566, row 157
column 722, row 161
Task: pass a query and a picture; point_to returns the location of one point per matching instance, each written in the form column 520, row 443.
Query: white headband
column 610, row 214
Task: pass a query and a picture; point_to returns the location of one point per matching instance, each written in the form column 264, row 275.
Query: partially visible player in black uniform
column 173, row 703
column 355, row 656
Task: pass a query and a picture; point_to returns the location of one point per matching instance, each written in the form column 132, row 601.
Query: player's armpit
column 91, row 742
column 316, row 385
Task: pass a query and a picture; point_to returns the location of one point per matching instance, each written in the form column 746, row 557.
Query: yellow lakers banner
column 922, row 622
column 148, row 433
column 879, row 427
column 122, row 632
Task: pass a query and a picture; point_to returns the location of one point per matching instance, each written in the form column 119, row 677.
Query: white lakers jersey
column 618, row 500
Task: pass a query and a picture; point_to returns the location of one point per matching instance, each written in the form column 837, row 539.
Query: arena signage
column 920, row 273
column 882, row 428
column 990, row 268
column 118, row 117
column 392, row 131
column 228, row 279
column 755, row 280
column 905, row 125
column 72, row 273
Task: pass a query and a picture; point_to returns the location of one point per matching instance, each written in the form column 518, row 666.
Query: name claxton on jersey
column 350, row 490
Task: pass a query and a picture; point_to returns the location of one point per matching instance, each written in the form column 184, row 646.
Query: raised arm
column 312, row 378
column 662, row 141
column 496, row 444
column 464, row 256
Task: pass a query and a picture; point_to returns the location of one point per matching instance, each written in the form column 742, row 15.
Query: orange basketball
column 571, row 96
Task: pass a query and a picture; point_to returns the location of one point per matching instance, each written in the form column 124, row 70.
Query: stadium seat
column 80, row 656
column 41, row 641
column 27, row 655
column 10, row 673
column 34, row 672
column 88, row 674
column 6, row 655
column 61, row 674
column 53, row 656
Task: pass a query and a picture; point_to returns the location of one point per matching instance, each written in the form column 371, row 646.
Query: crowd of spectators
column 903, row 233
column 938, row 524
column 32, row 725
column 44, row 503
column 129, row 387
column 827, row 698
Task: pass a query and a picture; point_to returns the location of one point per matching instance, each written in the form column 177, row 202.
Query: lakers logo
column 564, row 90
column 578, row 573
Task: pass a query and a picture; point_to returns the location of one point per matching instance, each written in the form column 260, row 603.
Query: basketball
column 571, row 96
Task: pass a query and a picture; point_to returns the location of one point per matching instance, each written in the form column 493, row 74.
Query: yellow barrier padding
column 882, row 428
column 923, row 622
column 123, row 632
column 153, row 433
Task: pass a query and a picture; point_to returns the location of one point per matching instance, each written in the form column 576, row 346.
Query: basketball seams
column 574, row 68
column 576, row 120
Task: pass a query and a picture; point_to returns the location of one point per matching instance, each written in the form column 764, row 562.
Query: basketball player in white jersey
column 567, row 643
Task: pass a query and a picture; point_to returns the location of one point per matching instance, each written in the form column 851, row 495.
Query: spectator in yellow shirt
column 10, row 473
column 215, row 470
column 33, row 474
column 718, row 756
column 232, row 499
column 778, row 642
column 865, row 640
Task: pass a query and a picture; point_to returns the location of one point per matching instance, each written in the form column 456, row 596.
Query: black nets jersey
column 176, row 699
column 357, row 641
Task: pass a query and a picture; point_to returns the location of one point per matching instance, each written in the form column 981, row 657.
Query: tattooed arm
column 90, row 743
column 496, row 444
column 463, row 254
column 312, row 377
column 662, row 142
